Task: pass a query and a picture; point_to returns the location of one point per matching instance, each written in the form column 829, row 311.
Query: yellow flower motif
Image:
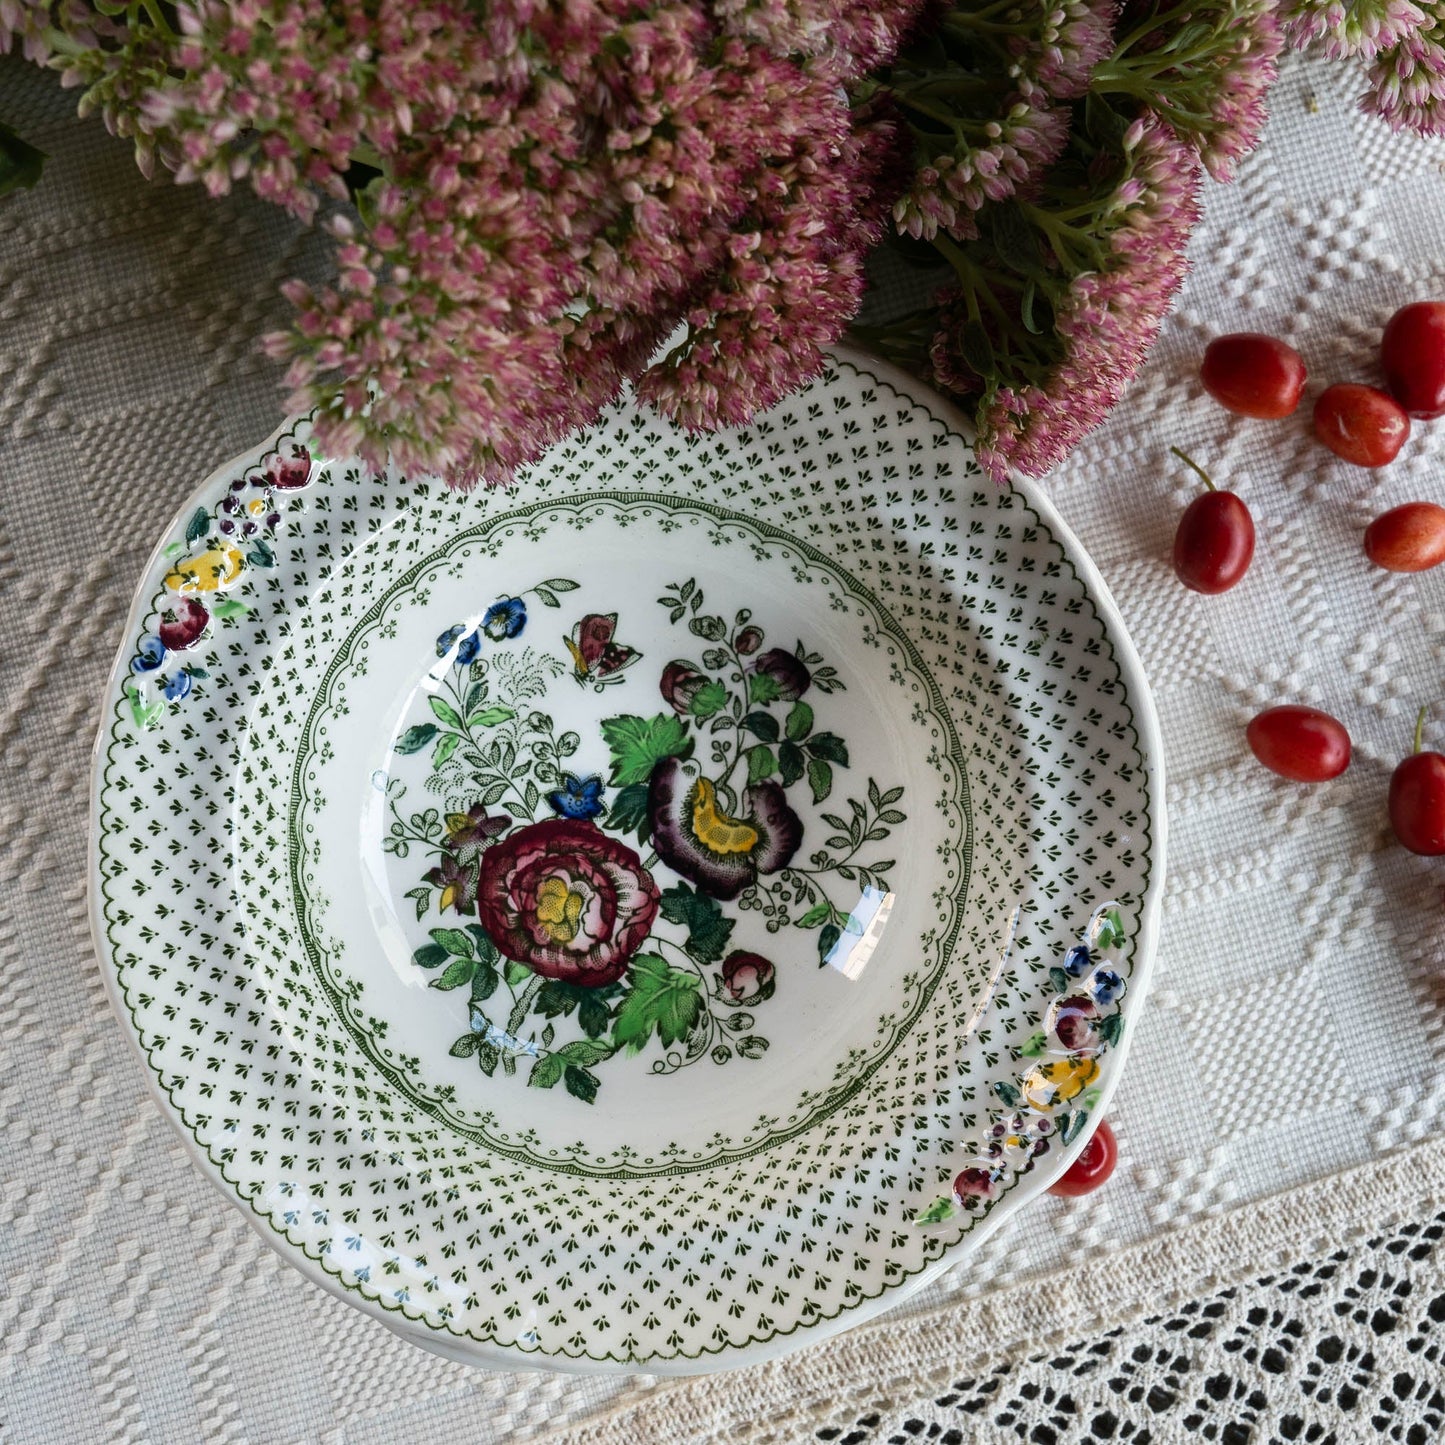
column 209, row 572
column 1058, row 1081
column 715, row 829
column 559, row 910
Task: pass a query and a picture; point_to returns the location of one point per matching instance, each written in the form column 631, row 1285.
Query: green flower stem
column 1150, row 24
column 158, row 19
column 1066, row 238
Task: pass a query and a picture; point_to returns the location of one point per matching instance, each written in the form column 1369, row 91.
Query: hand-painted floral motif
column 566, row 900
column 1055, row 1094
column 575, row 926
column 220, row 548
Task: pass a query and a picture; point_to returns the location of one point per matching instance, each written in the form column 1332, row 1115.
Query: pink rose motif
column 747, row 978
column 567, row 901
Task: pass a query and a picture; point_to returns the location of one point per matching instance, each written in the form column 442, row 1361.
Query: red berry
column 1253, row 375
column 1417, row 799
column 1405, row 539
column 1299, row 743
column 1412, row 351
column 1361, row 424
column 1092, row 1167
column 1214, row 542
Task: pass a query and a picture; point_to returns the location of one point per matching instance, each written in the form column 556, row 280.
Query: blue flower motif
column 577, row 797
column 151, row 654
column 471, row 644
column 505, row 619
column 178, row 686
column 1107, row 986
column 1077, row 961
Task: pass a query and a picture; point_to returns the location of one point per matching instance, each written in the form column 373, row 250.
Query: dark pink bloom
column 567, row 901
column 748, row 978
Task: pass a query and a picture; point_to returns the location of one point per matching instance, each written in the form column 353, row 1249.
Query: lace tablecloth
column 1276, row 1116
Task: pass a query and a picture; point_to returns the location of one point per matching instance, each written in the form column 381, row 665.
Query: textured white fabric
column 1296, row 1023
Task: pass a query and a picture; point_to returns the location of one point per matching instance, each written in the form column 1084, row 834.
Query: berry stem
column 1420, row 727
column 1190, row 462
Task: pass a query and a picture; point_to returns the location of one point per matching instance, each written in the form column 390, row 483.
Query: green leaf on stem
column 820, row 778
column 453, row 940
column 762, row 725
column 761, row 763
column 414, row 739
column 638, row 744
column 444, row 712
column 710, row 698
column 663, row 1000
column 708, row 930
column 628, row 811
column 458, row 972
column 791, row 762
column 489, row 717
column 830, row 747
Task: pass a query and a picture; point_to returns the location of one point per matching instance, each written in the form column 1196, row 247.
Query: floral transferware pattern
column 479, row 1251
column 561, row 925
column 220, row 544
column 1050, row 1102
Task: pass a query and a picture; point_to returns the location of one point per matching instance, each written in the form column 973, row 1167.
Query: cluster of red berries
column 1260, row 376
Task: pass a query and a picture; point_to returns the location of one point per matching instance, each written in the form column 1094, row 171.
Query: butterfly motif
column 596, row 658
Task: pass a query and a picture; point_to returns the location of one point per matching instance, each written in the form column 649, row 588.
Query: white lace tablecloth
column 1276, row 1113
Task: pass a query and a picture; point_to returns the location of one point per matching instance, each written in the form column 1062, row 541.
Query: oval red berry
column 1412, row 351
column 1417, row 803
column 1361, row 424
column 1407, row 539
column 1299, row 743
column 1093, row 1166
column 1214, row 543
column 1253, row 374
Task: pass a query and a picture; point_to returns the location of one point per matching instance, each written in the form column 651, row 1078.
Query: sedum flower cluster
column 547, row 191
column 535, row 203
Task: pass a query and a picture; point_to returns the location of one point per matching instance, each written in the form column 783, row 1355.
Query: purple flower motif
column 457, row 881
column 1072, row 1022
column 974, row 1185
column 470, row 832
column 680, row 683
column 721, row 854
column 785, row 672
